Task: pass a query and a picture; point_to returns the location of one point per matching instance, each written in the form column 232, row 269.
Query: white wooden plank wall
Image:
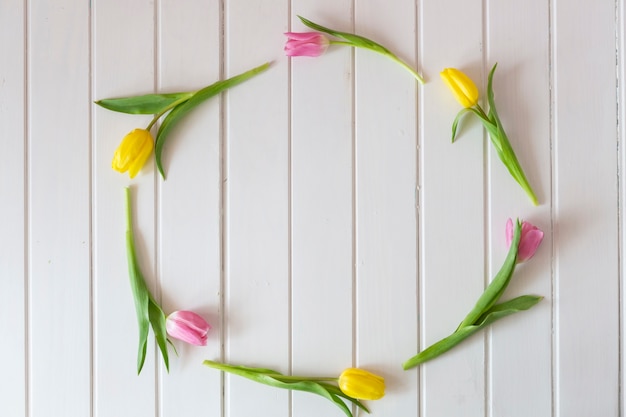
column 316, row 215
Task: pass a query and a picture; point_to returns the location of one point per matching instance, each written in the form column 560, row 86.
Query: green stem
column 303, row 378
column 408, row 68
column 129, row 221
column 388, row 55
column 168, row 108
column 482, row 113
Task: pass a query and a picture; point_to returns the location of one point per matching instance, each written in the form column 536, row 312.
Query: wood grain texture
column 317, row 215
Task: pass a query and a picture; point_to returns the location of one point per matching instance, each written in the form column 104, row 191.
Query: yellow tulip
column 462, row 86
column 133, row 152
column 361, row 384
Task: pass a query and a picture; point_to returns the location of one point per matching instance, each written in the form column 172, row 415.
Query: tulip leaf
column 141, row 296
column 196, row 99
column 144, row 104
column 499, row 283
column 278, row 380
column 493, row 314
column 501, row 142
column 148, row 311
column 157, row 320
column 336, row 391
column 355, row 40
column 460, row 115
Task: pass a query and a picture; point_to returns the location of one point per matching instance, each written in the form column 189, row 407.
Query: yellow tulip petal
column 361, row 384
column 463, row 88
column 133, row 152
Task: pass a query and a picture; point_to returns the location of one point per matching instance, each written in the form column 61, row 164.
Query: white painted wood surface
column 317, row 215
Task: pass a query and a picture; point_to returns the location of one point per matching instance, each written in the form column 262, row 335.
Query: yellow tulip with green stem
column 352, row 386
column 466, row 94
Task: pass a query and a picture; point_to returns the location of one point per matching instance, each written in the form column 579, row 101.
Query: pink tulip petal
column 302, row 36
column 188, row 327
column 509, row 232
column 530, row 239
column 305, row 44
column 528, row 246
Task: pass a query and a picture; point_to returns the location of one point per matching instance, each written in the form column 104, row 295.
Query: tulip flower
column 362, row 384
column 188, row 327
column 462, row 86
column 466, row 93
column 133, row 152
column 353, row 384
column 315, row 44
column 306, row 44
column 529, row 242
column 486, row 311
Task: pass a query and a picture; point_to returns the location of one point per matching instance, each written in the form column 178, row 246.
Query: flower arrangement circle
column 466, row 93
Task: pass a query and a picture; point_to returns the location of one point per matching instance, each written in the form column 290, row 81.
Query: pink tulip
column 188, row 327
column 529, row 241
column 305, row 44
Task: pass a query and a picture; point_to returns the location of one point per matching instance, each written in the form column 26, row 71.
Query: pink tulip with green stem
column 314, row 44
column 486, row 311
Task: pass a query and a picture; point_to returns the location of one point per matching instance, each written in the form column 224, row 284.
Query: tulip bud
column 306, row 44
column 360, row 384
column 529, row 241
column 133, row 152
column 188, row 327
column 462, row 86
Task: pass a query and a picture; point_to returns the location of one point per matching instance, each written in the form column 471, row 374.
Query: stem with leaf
column 493, row 125
column 322, row 386
column 149, row 313
column 357, row 41
column 485, row 311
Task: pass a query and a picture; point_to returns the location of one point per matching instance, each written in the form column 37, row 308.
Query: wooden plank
column 59, row 209
column 621, row 97
column 386, row 204
column 452, row 271
column 322, row 206
column 13, row 208
column 585, row 199
column 117, row 72
column 520, row 372
column 190, row 202
column 256, row 245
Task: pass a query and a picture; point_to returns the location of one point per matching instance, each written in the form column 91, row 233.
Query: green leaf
column 355, row 40
column 497, row 286
column 520, row 303
column 277, row 380
column 157, row 320
column 148, row 311
column 362, row 42
column 460, row 115
column 495, row 313
column 141, row 296
column 337, row 391
column 200, row 96
column 502, row 144
column 144, row 104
